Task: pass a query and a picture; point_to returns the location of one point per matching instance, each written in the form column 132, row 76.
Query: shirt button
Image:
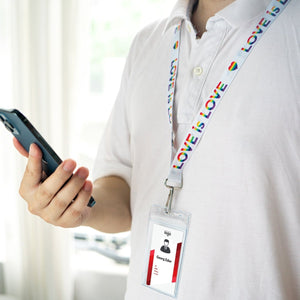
column 197, row 71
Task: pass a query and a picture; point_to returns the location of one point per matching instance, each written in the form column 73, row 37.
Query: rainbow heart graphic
column 233, row 66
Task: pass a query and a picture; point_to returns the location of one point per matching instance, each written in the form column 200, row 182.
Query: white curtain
column 40, row 67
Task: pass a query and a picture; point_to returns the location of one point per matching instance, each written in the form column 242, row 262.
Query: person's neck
column 204, row 10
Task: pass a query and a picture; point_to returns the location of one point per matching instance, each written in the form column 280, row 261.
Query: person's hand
column 53, row 198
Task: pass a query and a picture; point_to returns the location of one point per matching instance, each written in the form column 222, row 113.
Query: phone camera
column 9, row 127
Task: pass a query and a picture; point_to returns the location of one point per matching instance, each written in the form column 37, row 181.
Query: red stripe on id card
column 176, row 265
column 150, row 266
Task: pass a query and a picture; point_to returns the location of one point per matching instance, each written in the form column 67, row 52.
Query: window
column 5, row 102
column 111, row 29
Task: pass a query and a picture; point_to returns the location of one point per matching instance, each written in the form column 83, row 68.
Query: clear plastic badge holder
column 165, row 247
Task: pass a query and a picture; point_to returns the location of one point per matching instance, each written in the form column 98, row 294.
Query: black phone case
column 26, row 134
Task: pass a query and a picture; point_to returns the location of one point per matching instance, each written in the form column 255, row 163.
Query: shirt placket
column 196, row 60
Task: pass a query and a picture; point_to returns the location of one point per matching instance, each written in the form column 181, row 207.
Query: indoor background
column 60, row 64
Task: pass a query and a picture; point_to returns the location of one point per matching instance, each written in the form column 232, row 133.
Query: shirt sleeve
column 114, row 156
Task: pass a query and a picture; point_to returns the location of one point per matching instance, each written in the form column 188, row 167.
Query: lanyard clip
column 168, row 205
column 174, row 181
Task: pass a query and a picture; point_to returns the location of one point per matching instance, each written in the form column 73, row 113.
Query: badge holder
column 167, row 232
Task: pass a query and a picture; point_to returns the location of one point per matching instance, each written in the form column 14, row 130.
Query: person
column 165, row 247
column 242, row 184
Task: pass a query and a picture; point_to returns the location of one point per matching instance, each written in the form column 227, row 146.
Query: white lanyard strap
column 173, row 74
column 199, row 125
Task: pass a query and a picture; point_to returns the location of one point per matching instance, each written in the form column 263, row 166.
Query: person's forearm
column 111, row 213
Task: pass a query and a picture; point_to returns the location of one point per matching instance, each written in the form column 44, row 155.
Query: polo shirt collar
column 181, row 11
column 237, row 13
column 241, row 11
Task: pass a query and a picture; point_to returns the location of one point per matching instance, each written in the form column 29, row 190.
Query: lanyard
column 205, row 114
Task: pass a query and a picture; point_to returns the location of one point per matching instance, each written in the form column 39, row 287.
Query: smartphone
column 15, row 122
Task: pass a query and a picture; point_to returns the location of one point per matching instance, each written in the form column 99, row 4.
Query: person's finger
column 20, row 148
column 33, row 173
column 51, row 186
column 78, row 211
column 66, row 195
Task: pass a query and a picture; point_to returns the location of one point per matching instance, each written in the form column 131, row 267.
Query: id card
column 166, row 241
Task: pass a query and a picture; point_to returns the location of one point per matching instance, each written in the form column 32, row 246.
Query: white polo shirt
column 242, row 184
